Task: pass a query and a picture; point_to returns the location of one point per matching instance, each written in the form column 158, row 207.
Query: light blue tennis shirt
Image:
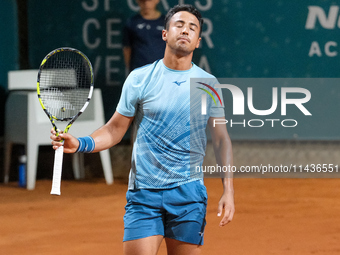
column 170, row 135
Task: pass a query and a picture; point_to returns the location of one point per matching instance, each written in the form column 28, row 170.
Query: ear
column 198, row 42
column 164, row 35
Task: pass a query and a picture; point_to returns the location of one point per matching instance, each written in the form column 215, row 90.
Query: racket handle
column 58, row 163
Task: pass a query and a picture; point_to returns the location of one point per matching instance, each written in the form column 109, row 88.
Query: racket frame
column 59, row 152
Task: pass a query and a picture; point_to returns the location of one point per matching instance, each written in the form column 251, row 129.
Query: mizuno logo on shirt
column 178, row 83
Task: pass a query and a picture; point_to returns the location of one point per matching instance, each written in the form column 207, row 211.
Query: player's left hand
column 227, row 203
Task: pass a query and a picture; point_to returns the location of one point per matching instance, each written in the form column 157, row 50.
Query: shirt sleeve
column 216, row 108
column 130, row 96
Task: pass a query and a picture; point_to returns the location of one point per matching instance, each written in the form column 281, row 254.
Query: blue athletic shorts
column 177, row 213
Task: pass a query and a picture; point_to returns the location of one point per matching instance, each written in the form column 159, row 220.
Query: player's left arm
column 224, row 157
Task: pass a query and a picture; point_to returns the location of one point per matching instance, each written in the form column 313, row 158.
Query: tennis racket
column 64, row 87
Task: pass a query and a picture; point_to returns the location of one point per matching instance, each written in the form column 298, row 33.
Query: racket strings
column 65, row 81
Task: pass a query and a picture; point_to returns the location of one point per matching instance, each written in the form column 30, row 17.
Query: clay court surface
column 273, row 216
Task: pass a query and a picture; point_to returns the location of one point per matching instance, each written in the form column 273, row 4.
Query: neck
column 150, row 14
column 177, row 61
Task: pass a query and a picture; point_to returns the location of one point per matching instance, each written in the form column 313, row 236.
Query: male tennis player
column 163, row 199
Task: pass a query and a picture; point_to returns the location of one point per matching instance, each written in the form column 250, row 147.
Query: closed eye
column 179, row 23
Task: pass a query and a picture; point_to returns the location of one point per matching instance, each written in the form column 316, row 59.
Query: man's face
column 147, row 4
column 183, row 32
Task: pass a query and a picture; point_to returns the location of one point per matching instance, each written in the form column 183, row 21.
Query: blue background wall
column 8, row 49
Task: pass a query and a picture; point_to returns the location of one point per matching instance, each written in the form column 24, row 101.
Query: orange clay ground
column 273, row 216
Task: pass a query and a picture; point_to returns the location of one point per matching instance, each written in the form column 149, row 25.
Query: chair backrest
column 22, row 80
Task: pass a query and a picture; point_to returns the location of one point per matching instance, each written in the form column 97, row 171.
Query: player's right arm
column 105, row 137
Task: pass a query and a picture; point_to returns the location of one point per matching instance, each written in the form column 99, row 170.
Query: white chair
column 27, row 124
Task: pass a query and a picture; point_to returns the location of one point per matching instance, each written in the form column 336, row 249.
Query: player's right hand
column 70, row 143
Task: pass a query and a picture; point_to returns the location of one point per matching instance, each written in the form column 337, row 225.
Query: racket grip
column 57, row 168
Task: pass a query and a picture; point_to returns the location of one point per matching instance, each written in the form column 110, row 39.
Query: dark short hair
column 186, row 8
